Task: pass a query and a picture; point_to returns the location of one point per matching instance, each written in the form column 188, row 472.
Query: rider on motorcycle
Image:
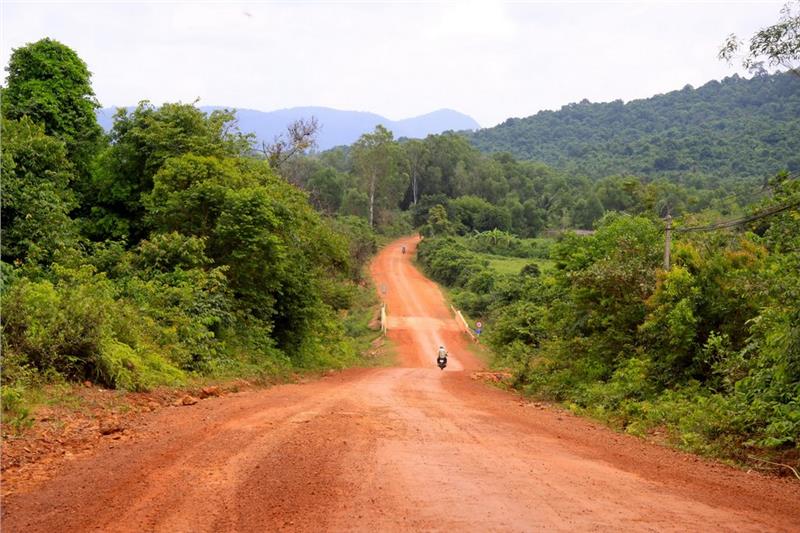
column 442, row 355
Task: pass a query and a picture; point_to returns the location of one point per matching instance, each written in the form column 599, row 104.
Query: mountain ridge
column 337, row 127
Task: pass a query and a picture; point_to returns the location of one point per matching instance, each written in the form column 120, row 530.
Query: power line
column 668, row 229
column 739, row 221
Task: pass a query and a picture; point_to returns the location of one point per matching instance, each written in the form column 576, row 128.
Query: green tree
column 443, row 173
column 438, row 223
column 375, row 158
column 142, row 141
column 49, row 83
column 354, row 203
column 276, row 250
column 586, row 211
column 416, row 158
column 37, row 197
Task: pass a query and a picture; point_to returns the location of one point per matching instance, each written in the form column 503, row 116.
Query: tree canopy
column 51, row 85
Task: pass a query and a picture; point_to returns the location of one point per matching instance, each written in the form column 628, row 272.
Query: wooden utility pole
column 667, row 242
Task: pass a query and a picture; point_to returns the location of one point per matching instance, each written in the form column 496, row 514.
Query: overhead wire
column 739, row 221
column 743, row 220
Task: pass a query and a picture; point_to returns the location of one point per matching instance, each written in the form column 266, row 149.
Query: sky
column 489, row 59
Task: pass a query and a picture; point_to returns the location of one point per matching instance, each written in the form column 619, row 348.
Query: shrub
column 449, row 262
column 76, row 328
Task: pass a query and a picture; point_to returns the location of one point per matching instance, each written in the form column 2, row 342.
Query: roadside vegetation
column 702, row 353
column 705, row 355
column 162, row 252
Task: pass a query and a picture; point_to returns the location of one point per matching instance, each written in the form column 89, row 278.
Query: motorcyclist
column 441, row 355
column 404, row 249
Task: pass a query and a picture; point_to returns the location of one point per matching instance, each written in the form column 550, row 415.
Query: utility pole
column 667, row 242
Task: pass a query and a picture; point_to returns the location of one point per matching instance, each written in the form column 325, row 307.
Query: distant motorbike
column 441, row 361
column 404, row 249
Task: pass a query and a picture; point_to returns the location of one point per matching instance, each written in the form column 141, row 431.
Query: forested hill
column 734, row 128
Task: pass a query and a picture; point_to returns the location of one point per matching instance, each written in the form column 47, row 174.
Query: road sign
column 478, row 325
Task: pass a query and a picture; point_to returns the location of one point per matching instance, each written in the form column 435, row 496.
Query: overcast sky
column 489, row 59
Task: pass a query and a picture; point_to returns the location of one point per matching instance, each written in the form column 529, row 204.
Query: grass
column 514, row 265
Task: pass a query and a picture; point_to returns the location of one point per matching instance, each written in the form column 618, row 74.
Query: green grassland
column 514, row 265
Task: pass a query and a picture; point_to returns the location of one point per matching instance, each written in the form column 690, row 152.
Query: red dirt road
column 405, row 448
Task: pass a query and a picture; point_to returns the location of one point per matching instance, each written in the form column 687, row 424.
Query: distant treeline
column 481, row 192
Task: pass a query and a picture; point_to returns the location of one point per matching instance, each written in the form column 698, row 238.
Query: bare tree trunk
column 372, row 201
column 414, row 185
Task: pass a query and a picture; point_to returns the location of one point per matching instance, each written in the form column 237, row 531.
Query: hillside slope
column 734, row 128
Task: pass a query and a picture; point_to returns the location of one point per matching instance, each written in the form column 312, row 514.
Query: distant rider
column 441, row 355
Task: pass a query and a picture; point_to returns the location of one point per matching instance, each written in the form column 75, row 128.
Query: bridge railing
column 463, row 323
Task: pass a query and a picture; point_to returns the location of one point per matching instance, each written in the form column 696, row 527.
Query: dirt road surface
column 394, row 449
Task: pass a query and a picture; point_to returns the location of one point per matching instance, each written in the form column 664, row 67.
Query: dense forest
column 727, row 129
column 160, row 251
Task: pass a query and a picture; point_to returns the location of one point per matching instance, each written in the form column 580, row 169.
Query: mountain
column 337, row 127
column 736, row 127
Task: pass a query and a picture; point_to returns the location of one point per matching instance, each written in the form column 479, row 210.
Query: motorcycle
column 441, row 361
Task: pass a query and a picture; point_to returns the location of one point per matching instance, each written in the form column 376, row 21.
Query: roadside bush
column 473, row 304
column 124, row 367
column 531, row 269
column 77, row 328
column 58, row 326
column 362, row 242
column 707, row 354
column 15, row 411
column 449, row 262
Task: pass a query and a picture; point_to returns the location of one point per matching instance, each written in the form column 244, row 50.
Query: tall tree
column 416, row 153
column 49, row 83
column 375, row 159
